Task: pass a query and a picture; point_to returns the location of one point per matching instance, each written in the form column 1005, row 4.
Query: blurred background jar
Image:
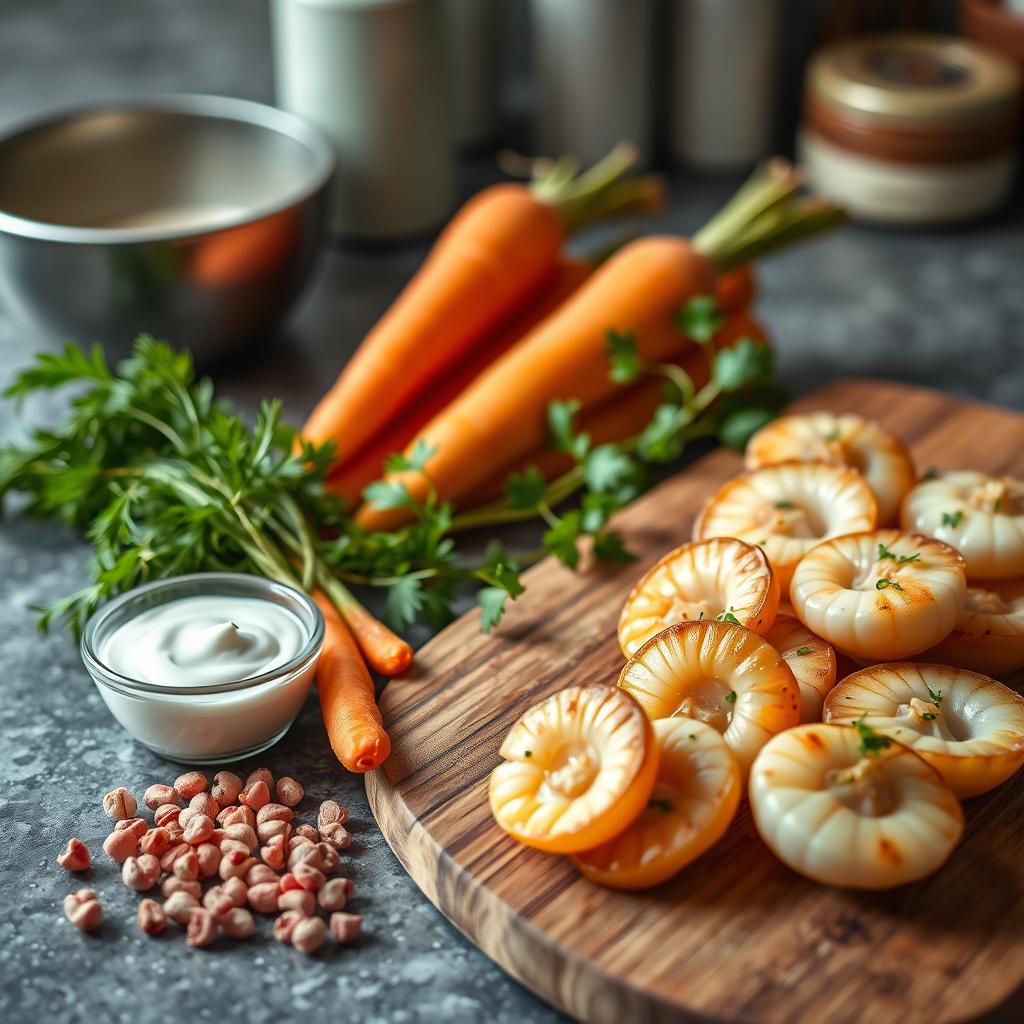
column 721, row 81
column 911, row 128
column 474, row 59
column 593, row 76
column 370, row 74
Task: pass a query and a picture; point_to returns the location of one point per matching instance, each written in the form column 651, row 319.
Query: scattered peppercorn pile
column 233, row 836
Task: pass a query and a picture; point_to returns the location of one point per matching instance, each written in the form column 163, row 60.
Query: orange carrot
column 622, row 414
column 501, row 417
column 384, row 651
column 736, row 289
column 352, row 475
column 733, row 290
column 347, row 699
column 498, row 250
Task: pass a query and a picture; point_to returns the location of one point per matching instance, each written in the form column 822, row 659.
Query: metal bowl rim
column 228, row 108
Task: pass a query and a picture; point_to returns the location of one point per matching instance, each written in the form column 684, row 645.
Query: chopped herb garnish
column 761, row 543
column 693, row 735
column 936, row 698
column 883, row 583
column 731, row 697
column 998, row 505
column 801, row 651
column 932, row 473
column 952, row 518
column 661, row 805
column 832, row 435
column 871, row 742
column 928, row 716
column 884, row 552
column 728, row 616
column 527, row 753
column 783, row 504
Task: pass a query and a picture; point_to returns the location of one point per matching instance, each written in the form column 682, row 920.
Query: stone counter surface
column 944, row 309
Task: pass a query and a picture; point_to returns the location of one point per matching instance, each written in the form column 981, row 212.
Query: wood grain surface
column 736, row 936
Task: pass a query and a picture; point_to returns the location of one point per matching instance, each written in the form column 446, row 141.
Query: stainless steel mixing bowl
column 192, row 218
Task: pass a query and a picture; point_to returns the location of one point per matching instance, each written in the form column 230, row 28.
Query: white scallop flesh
column 843, row 439
column 882, row 595
column 981, row 515
column 846, row 819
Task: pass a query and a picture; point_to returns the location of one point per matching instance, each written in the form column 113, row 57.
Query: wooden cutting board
column 736, row 936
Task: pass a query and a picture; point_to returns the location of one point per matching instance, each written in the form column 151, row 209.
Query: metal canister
column 593, row 75
column 370, row 75
column 721, row 80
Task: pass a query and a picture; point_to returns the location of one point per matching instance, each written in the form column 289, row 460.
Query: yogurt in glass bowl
column 204, row 668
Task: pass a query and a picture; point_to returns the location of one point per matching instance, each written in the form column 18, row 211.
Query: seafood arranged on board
column 854, row 776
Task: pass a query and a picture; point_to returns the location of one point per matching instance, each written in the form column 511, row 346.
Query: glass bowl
column 219, row 722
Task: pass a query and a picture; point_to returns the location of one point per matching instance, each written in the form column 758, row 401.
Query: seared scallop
column 718, row 578
column 843, row 439
column 882, row 595
column 969, row 727
column 788, row 509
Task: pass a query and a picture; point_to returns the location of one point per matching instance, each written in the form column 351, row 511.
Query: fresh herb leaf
column 492, row 606
column 801, row 651
column 936, row 698
column 931, row 473
column 952, row 518
column 700, row 318
column 564, row 438
column 560, row 540
column 527, row 753
column 662, row 440
column 871, row 743
column 417, row 459
column 527, row 489
column 929, row 716
column 882, row 584
column 746, row 363
column 606, row 467
column 884, row 552
column 731, row 697
column 625, row 363
column 610, row 547
column 783, row 504
column 404, row 601
column 728, row 616
column 385, row 494
column 740, row 425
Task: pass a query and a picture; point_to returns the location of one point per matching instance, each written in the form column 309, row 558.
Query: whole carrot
column 498, row 250
column 622, row 415
column 733, row 290
column 347, row 699
column 352, row 475
column 502, row 416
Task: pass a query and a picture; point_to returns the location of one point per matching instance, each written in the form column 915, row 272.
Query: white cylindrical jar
column 593, row 76
column 370, row 74
column 911, row 129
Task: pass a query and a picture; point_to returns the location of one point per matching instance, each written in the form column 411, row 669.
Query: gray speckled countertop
column 944, row 309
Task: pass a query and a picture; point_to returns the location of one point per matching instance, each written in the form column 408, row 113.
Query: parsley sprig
column 872, row 743
column 165, row 479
